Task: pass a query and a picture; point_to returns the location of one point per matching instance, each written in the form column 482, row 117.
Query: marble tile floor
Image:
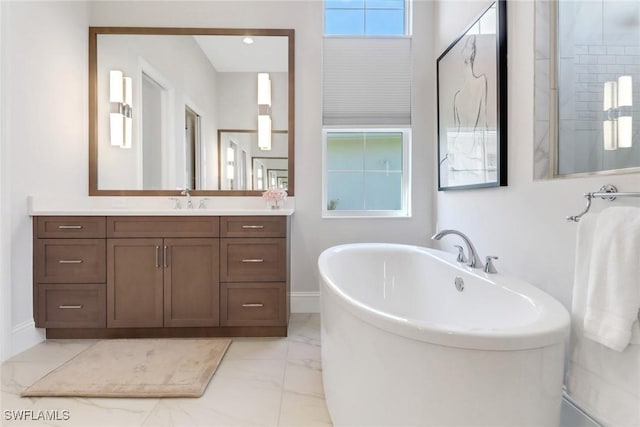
column 260, row 382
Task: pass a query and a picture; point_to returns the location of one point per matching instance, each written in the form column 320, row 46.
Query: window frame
column 408, row 27
column 405, row 210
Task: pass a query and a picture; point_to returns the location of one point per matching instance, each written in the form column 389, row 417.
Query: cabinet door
column 191, row 284
column 134, row 283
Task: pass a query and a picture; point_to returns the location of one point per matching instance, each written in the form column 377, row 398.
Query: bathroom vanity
column 161, row 275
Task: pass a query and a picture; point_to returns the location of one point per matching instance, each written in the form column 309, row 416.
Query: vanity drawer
column 164, row 226
column 248, row 260
column 253, row 304
column 71, row 227
column 70, row 261
column 72, row 306
column 253, row 226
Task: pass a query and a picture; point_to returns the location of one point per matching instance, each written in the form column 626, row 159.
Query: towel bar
column 607, row 192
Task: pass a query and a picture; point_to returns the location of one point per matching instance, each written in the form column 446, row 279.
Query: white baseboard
column 305, row 302
column 572, row 415
column 24, row 336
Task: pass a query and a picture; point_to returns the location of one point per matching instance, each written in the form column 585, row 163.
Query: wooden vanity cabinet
column 177, row 276
column 69, row 272
column 253, row 271
column 162, row 281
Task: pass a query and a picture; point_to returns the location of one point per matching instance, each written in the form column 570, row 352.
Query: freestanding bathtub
column 402, row 346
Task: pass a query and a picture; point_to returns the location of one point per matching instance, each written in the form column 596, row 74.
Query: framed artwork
column 472, row 105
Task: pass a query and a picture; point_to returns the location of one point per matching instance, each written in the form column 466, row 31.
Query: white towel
column 604, row 382
column 613, row 292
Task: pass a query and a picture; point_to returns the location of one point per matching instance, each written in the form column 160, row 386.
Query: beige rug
column 136, row 368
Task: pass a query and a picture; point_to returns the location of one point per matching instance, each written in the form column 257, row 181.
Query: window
column 365, row 17
column 366, row 172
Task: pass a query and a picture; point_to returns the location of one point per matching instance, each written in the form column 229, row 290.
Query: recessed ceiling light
column 247, row 40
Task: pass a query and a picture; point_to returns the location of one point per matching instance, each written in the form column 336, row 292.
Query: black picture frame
column 472, row 105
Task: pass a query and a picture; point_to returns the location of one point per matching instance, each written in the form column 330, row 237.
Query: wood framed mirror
column 160, row 97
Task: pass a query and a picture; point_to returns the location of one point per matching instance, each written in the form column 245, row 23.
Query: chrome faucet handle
column 176, row 202
column 185, row 192
column 461, row 256
column 488, row 265
column 203, row 204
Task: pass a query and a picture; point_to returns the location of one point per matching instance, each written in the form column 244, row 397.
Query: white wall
column 46, row 124
column 45, row 146
column 523, row 223
column 5, row 229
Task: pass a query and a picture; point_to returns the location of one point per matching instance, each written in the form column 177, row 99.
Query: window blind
column 366, row 81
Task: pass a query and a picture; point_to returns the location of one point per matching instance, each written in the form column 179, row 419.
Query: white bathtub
column 402, row 346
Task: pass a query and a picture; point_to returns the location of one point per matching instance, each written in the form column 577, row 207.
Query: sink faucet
column 474, row 258
column 185, row 192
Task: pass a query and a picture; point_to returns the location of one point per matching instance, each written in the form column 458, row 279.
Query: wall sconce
column 617, row 129
column 121, row 95
column 264, row 111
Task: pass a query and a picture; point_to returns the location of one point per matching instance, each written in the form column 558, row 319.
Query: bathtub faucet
column 474, row 258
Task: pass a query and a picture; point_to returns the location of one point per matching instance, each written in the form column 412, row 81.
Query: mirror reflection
column 164, row 103
column 587, row 87
column 245, row 166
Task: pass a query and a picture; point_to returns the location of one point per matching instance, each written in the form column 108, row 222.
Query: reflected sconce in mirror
column 617, row 127
column 264, row 111
column 230, row 163
column 120, row 95
column 260, row 177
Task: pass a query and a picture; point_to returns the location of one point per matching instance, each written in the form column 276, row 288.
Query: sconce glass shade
column 230, row 154
column 230, row 172
column 116, row 124
column 610, row 95
column 625, row 91
column 128, row 132
column 128, row 91
column 115, row 86
column 610, row 135
column 264, row 132
column 625, row 132
column 264, row 89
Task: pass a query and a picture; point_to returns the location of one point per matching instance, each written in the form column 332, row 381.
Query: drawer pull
column 70, row 227
column 70, row 307
column 256, row 260
column 70, row 261
column 253, row 304
column 253, row 227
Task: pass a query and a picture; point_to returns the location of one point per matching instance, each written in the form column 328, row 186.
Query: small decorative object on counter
column 274, row 197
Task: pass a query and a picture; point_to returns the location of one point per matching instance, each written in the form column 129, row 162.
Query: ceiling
column 231, row 54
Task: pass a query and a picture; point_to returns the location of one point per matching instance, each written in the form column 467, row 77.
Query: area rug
column 136, row 368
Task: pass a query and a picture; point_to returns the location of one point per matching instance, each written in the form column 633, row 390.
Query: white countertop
column 153, row 206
